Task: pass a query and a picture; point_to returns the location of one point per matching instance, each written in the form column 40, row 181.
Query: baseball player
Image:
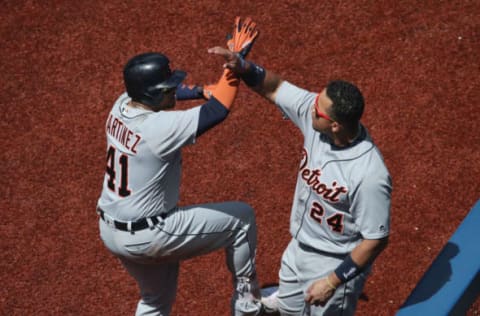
column 140, row 221
column 341, row 210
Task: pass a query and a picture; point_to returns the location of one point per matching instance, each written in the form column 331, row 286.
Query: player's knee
column 290, row 305
column 244, row 211
column 243, row 206
column 247, row 209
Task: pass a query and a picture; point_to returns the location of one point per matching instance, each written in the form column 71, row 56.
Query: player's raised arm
column 263, row 81
column 243, row 37
column 224, row 91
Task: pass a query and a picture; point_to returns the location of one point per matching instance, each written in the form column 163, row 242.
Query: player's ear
column 336, row 127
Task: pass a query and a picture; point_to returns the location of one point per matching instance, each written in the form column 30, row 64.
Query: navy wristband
column 347, row 270
column 185, row 92
column 254, row 76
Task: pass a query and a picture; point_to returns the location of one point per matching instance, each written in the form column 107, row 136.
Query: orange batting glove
column 208, row 90
column 243, row 37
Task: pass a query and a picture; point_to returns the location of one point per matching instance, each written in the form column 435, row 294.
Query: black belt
column 134, row 226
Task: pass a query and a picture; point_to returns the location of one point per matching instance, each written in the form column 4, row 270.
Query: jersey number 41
column 111, row 172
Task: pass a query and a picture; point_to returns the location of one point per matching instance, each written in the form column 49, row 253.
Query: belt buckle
column 109, row 220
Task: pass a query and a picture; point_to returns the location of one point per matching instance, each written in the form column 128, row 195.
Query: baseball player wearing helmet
column 340, row 215
column 140, row 221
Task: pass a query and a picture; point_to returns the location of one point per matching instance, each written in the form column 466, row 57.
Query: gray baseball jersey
column 342, row 195
column 154, row 186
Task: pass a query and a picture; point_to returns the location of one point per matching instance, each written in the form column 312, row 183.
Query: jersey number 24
column 335, row 222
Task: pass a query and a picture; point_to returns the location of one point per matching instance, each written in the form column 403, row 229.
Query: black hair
column 348, row 102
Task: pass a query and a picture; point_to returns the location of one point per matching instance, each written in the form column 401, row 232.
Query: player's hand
column 233, row 61
column 243, row 36
column 319, row 293
column 239, row 45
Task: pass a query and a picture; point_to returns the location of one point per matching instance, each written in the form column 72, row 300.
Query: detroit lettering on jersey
column 120, row 132
column 312, row 179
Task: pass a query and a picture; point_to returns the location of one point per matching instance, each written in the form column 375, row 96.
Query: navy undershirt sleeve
column 185, row 92
column 211, row 113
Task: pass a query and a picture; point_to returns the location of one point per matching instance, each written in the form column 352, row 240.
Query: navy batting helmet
column 148, row 77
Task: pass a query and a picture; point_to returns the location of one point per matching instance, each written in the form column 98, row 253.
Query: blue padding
column 452, row 283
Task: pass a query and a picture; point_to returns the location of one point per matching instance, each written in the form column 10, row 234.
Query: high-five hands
column 244, row 35
column 239, row 45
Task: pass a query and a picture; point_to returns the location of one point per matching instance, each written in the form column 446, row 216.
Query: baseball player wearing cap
column 341, row 209
column 140, row 221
